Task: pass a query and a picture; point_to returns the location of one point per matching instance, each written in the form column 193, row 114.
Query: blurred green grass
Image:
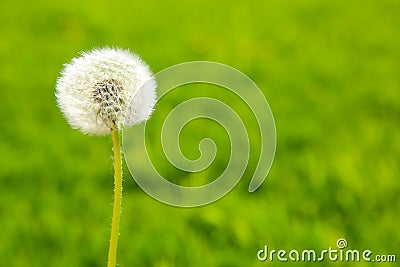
column 330, row 71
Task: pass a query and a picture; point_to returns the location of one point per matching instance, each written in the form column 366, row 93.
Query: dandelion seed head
column 103, row 88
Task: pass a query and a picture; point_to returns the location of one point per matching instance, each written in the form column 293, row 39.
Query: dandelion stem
column 112, row 252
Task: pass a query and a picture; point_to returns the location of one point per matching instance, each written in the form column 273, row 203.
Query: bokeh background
column 330, row 71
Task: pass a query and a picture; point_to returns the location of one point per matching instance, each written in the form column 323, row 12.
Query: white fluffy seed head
column 103, row 88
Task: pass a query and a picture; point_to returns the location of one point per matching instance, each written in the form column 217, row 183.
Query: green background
column 330, row 71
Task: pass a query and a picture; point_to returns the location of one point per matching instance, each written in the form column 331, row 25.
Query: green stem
column 112, row 252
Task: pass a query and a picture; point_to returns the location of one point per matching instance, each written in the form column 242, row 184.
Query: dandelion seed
column 102, row 88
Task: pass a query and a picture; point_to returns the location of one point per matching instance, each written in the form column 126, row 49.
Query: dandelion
column 101, row 92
